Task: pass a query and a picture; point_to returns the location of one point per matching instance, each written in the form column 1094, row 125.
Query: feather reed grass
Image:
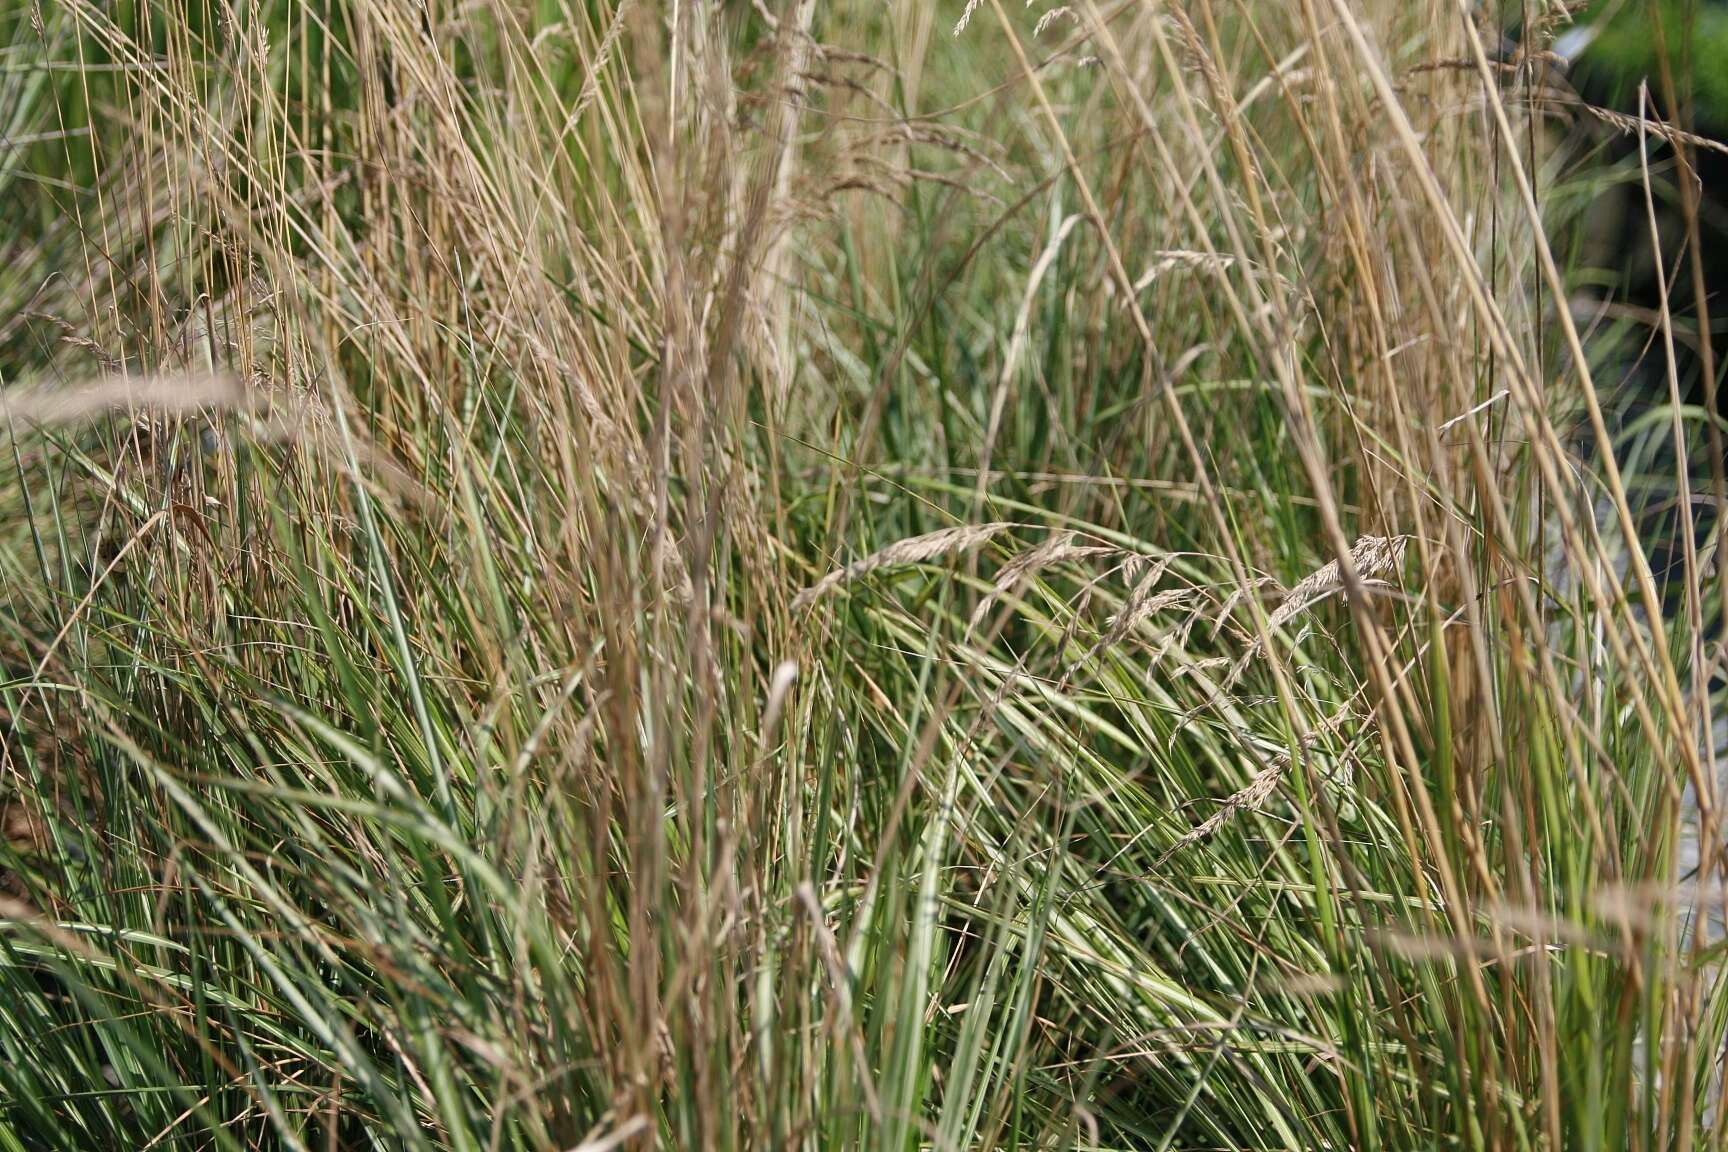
column 780, row 578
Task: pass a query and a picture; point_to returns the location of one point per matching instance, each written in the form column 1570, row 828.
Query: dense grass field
column 848, row 575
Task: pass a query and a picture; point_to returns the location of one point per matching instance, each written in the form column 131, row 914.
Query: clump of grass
column 828, row 584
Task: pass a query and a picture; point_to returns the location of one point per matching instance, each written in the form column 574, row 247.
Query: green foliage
column 1633, row 42
column 590, row 577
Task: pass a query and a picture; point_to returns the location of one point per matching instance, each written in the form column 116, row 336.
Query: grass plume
column 712, row 576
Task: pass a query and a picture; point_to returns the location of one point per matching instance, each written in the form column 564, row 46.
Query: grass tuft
column 773, row 577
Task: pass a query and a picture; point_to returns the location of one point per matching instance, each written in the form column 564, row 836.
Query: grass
column 589, row 576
